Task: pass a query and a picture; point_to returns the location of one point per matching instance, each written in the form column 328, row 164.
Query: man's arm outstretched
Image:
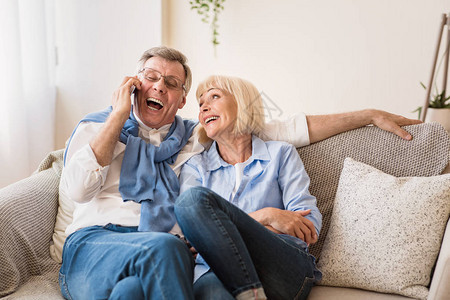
column 321, row 127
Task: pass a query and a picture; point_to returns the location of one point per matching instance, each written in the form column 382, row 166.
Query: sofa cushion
column 27, row 217
column 43, row 286
column 338, row 293
column 385, row 151
column 385, row 232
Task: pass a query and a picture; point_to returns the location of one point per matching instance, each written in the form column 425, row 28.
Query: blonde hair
column 250, row 110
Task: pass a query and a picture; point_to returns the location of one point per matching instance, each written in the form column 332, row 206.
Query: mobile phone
column 133, row 98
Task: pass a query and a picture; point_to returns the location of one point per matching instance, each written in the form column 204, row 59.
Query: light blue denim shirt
column 274, row 176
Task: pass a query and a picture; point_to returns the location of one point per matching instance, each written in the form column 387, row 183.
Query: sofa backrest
column 426, row 155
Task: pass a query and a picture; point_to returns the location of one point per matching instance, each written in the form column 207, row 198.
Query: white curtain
column 27, row 91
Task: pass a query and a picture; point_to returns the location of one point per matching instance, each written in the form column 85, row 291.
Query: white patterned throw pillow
column 385, row 232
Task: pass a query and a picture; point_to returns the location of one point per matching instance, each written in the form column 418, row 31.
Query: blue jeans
column 114, row 262
column 208, row 287
column 243, row 253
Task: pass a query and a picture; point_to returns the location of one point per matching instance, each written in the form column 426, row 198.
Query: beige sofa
column 28, row 208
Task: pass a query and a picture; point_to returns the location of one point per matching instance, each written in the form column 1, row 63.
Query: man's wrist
column 369, row 116
column 118, row 118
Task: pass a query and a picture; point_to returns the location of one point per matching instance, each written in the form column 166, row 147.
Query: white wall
column 317, row 56
column 98, row 44
column 314, row 56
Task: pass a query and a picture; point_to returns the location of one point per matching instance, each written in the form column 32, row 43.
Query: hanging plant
column 209, row 12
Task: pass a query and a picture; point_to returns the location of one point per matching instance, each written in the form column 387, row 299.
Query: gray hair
column 171, row 55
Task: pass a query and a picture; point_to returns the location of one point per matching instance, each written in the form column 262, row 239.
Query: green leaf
column 207, row 9
column 419, row 111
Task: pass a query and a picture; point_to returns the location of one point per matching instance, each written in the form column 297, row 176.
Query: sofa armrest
column 440, row 287
column 27, row 216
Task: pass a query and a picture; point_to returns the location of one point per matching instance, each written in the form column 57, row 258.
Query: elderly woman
column 245, row 204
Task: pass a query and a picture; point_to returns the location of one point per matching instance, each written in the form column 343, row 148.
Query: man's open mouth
column 211, row 119
column 154, row 104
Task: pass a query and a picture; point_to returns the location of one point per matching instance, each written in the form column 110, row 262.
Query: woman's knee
column 192, row 204
column 192, row 196
column 196, row 204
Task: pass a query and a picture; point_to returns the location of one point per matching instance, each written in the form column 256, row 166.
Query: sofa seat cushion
column 43, row 286
column 337, row 293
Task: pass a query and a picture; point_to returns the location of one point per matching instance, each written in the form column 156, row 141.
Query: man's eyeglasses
column 170, row 81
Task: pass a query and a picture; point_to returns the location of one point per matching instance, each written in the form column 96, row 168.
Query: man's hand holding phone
column 121, row 101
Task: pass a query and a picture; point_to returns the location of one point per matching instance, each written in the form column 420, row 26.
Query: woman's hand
column 194, row 252
column 288, row 222
column 121, row 101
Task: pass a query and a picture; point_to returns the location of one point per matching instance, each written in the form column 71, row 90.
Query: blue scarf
column 146, row 176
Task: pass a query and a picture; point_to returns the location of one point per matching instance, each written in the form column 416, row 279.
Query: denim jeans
column 114, row 262
column 243, row 253
column 208, row 287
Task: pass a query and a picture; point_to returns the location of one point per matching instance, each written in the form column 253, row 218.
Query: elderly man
column 121, row 168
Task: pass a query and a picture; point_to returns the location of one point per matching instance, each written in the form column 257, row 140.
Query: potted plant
column 438, row 109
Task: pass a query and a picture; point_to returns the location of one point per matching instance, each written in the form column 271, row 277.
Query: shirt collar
column 259, row 152
column 155, row 136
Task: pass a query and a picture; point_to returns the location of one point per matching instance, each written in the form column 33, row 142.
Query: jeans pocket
column 303, row 293
column 119, row 228
column 63, row 286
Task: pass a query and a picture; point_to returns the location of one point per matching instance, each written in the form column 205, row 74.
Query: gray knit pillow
column 27, row 217
column 385, row 231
